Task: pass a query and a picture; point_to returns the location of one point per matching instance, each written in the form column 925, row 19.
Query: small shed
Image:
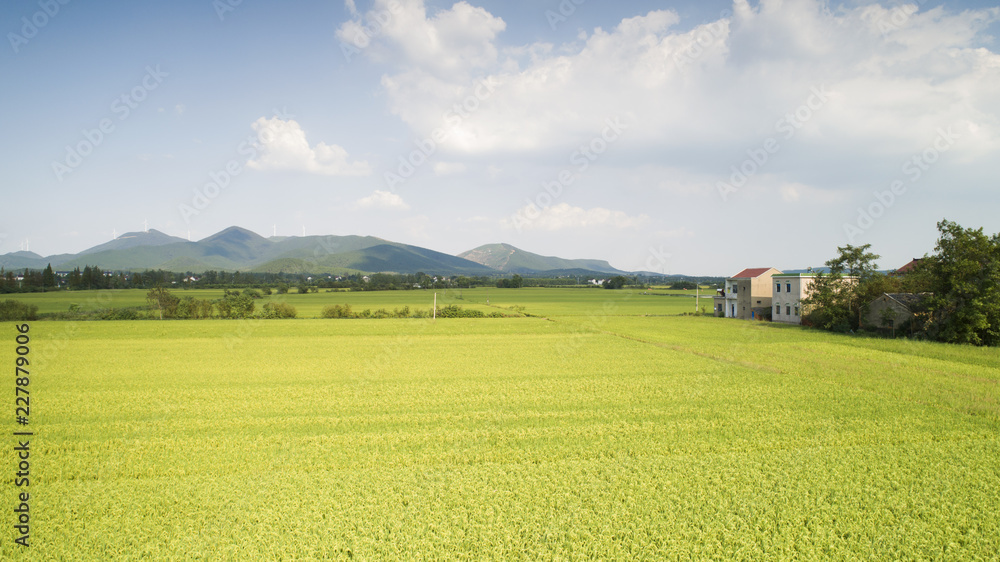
column 892, row 310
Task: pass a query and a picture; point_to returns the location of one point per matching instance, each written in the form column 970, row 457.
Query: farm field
column 586, row 431
column 537, row 300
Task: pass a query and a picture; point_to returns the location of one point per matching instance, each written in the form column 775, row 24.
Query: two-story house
column 789, row 290
column 746, row 295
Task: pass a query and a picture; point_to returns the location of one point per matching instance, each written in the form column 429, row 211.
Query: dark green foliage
column 164, row 303
column 12, row 310
column 515, row 282
column 338, row 311
column 278, row 310
column 195, row 308
column 837, row 300
column 235, row 305
column 48, row 278
column 454, row 311
column 616, row 282
column 965, row 280
column 117, row 314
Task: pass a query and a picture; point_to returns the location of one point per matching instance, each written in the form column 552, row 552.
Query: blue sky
column 679, row 137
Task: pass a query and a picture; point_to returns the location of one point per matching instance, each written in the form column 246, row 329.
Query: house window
column 734, row 289
column 788, row 287
column 777, row 310
column 778, row 287
column 788, row 310
column 796, row 310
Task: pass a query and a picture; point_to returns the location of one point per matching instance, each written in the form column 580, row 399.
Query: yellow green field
column 587, row 431
column 537, row 300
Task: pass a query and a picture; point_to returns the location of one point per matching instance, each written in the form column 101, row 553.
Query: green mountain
column 129, row 240
column 508, row 259
column 237, row 248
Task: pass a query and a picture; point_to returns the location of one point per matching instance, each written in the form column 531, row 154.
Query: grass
column 536, row 300
column 596, row 433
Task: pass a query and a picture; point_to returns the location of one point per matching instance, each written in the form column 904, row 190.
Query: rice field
column 588, row 430
column 536, row 300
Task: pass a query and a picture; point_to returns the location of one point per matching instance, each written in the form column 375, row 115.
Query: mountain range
column 240, row 249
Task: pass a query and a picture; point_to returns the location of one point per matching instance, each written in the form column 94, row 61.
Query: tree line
column 95, row 278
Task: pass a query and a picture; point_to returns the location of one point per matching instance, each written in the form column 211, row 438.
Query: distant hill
column 240, row 249
column 128, row 240
column 237, row 248
column 508, row 259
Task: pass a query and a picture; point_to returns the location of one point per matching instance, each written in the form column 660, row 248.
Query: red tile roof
column 751, row 273
column 910, row 266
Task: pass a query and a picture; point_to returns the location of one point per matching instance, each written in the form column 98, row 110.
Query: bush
column 16, row 310
column 117, row 314
column 194, row 308
column 279, row 310
column 454, row 311
column 235, row 305
column 338, row 311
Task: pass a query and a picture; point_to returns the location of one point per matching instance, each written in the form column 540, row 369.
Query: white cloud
column 448, row 44
column 705, row 94
column 382, row 200
column 564, row 216
column 283, row 146
column 448, row 168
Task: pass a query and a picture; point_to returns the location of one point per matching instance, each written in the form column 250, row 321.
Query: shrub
column 235, row 305
column 279, row 310
column 194, row 308
column 338, row 311
column 117, row 314
column 16, row 310
column 454, row 311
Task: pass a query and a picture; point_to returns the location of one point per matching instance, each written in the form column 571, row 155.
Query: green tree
column 837, row 300
column 235, row 305
column 161, row 300
column 965, row 279
column 616, row 282
column 48, row 278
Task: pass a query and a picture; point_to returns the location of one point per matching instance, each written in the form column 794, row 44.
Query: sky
column 689, row 137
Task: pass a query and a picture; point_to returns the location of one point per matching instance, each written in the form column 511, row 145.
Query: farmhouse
column 892, row 310
column 789, row 290
column 747, row 295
